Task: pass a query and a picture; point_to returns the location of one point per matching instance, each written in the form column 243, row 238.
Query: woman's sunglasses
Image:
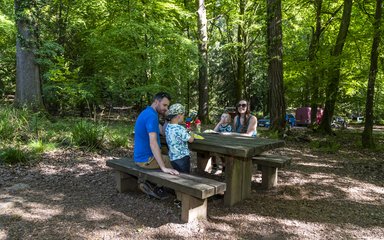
column 242, row 105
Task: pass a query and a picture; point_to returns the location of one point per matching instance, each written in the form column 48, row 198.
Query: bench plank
column 269, row 164
column 192, row 185
column 192, row 190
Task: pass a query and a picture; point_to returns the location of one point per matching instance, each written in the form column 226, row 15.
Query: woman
column 244, row 123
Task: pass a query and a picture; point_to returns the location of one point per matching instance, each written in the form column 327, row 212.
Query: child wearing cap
column 177, row 139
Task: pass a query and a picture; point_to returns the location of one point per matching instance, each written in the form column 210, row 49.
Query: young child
column 177, row 139
column 224, row 125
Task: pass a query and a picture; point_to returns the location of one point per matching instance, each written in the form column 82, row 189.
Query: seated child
column 177, row 139
column 224, row 125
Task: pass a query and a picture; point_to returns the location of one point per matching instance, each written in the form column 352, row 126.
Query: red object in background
column 188, row 125
column 303, row 116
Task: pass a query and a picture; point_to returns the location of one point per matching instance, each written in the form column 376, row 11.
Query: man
column 146, row 152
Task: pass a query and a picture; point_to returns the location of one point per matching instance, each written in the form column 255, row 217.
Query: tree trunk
column 314, row 72
column 275, row 66
column 28, row 85
column 367, row 137
column 241, row 41
column 203, row 63
column 334, row 71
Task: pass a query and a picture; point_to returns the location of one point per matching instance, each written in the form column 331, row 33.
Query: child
column 177, row 139
column 223, row 126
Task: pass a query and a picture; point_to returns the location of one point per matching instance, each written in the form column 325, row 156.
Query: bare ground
column 70, row 195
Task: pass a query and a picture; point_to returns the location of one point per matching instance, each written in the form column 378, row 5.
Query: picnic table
column 237, row 151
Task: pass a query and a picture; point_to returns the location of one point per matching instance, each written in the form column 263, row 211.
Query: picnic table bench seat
column 269, row 165
column 194, row 190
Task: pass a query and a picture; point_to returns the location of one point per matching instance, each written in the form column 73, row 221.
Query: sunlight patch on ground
column 29, row 210
column 252, row 223
column 359, row 191
column 354, row 190
column 95, row 214
column 316, row 164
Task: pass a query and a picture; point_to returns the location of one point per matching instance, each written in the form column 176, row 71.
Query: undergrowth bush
column 325, row 145
column 89, row 135
column 14, row 155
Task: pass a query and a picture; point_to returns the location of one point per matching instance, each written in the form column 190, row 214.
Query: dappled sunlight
column 255, row 224
column 31, row 210
column 360, row 191
column 332, row 185
column 92, row 214
column 316, row 164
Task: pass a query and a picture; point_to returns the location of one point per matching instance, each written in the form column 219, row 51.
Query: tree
column 367, row 137
column 203, row 60
column 334, row 69
column 28, row 85
column 275, row 66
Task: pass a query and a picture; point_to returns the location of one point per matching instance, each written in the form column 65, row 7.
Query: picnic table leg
column 238, row 177
column 203, row 161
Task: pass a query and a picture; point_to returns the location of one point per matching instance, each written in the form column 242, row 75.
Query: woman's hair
column 246, row 117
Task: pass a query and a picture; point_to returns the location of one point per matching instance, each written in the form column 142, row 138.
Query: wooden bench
column 193, row 190
column 269, row 165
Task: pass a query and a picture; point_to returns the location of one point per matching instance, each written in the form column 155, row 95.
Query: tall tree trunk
column 334, row 78
column 275, row 66
column 314, row 72
column 367, row 137
column 203, row 63
column 28, row 85
column 241, row 41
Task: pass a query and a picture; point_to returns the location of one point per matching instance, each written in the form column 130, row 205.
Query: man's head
column 161, row 102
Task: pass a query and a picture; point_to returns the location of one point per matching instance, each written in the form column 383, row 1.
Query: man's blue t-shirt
column 147, row 122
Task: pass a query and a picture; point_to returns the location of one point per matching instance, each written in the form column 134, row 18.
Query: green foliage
column 13, row 123
column 325, row 145
column 89, row 135
column 14, row 155
column 40, row 147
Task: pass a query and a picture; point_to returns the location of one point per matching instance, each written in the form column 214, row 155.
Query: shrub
column 11, row 155
column 89, row 135
column 40, row 147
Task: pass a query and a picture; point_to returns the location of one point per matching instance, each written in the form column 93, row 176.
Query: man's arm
column 157, row 154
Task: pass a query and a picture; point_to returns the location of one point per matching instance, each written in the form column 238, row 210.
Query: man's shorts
column 152, row 163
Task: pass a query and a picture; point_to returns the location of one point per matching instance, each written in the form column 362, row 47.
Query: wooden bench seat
column 193, row 190
column 269, row 165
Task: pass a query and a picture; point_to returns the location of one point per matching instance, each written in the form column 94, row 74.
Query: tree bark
column 334, row 79
column 275, row 66
column 203, row 63
column 241, row 41
column 314, row 72
column 28, row 84
column 367, row 136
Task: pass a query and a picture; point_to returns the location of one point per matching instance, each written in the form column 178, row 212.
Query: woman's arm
column 251, row 126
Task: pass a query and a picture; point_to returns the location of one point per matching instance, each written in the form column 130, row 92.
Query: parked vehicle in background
column 359, row 119
column 265, row 121
column 291, row 119
column 339, row 122
column 303, row 116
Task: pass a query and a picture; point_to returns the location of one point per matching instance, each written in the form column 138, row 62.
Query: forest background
column 86, row 56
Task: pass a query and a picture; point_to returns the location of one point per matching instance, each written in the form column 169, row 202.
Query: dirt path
column 71, row 195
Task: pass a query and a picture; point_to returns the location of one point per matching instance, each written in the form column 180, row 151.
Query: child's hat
column 176, row 109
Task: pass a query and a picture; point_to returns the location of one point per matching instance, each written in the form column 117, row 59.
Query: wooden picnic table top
column 233, row 144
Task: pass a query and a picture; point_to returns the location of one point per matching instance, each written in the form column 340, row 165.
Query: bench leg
column 192, row 208
column 268, row 177
column 125, row 182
